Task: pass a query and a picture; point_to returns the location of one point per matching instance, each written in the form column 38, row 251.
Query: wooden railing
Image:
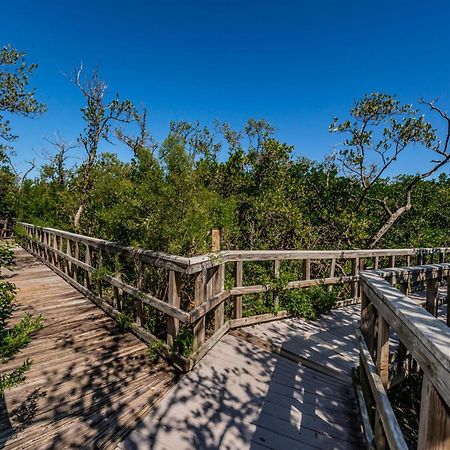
column 177, row 302
column 397, row 337
column 6, row 228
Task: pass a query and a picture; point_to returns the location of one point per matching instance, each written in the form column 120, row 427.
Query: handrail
column 191, row 289
column 195, row 264
column 384, row 309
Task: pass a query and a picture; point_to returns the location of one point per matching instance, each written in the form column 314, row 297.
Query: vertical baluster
column 199, row 298
column 173, row 324
column 306, row 269
column 77, row 257
column 332, row 271
column 218, row 287
column 238, row 280
column 276, row 293
column 383, row 370
column 140, row 286
column 355, row 294
column 434, row 422
column 431, row 296
column 88, row 261
column 69, row 255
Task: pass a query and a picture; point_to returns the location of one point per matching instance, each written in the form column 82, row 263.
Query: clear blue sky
column 295, row 63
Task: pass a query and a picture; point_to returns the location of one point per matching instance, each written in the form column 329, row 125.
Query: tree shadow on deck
column 240, row 396
column 88, row 383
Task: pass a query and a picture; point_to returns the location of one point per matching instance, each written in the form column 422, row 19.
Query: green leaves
column 15, row 95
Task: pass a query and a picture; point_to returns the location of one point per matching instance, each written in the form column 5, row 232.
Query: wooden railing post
column 69, row 254
column 355, row 284
column 88, row 261
column 306, row 269
column 77, row 257
column 199, row 298
column 117, row 294
column 218, row 287
column 140, row 286
column 382, row 364
column 332, row 271
column 217, row 281
column 238, row 280
column 99, row 266
column 432, row 294
column 173, row 325
column 392, row 261
column 276, row 293
column 448, row 301
column 434, row 423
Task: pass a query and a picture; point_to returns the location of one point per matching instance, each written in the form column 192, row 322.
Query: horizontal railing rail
column 178, row 302
column 423, row 344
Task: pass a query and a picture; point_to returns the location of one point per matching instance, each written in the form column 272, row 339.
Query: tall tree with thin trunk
column 99, row 114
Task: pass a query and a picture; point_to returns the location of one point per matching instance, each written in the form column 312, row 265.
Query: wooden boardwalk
column 242, row 396
column 89, row 383
column 279, row 385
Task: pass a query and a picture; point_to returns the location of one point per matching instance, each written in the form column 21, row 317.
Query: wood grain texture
column 89, row 384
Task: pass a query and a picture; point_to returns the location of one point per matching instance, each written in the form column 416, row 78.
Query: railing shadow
column 240, row 396
column 88, row 382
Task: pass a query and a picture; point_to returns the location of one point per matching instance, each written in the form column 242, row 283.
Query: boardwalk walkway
column 279, row 385
column 242, row 396
column 89, row 383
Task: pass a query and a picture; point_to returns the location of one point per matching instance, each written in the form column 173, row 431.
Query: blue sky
column 295, row 63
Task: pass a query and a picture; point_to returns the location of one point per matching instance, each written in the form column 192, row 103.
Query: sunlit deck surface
column 89, row 383
column 281, row 385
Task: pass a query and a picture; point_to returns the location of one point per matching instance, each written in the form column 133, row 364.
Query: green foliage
column 184, row 341
column 125, row 321
column 14, row 338
column 15, row 377
column 99, row 273
column 6, row 256
column 154, row 349
column 304, row 302
column 15, row 95
column 18, row 336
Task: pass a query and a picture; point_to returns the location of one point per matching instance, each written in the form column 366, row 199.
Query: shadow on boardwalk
column 89, row 383
column 240, row 396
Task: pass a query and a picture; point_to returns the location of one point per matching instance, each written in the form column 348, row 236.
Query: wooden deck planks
column 89, row 383
column 241, row 396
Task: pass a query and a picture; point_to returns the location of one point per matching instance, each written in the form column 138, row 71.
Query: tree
column 380, row 129
column 15, row 95
column 99, row 115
